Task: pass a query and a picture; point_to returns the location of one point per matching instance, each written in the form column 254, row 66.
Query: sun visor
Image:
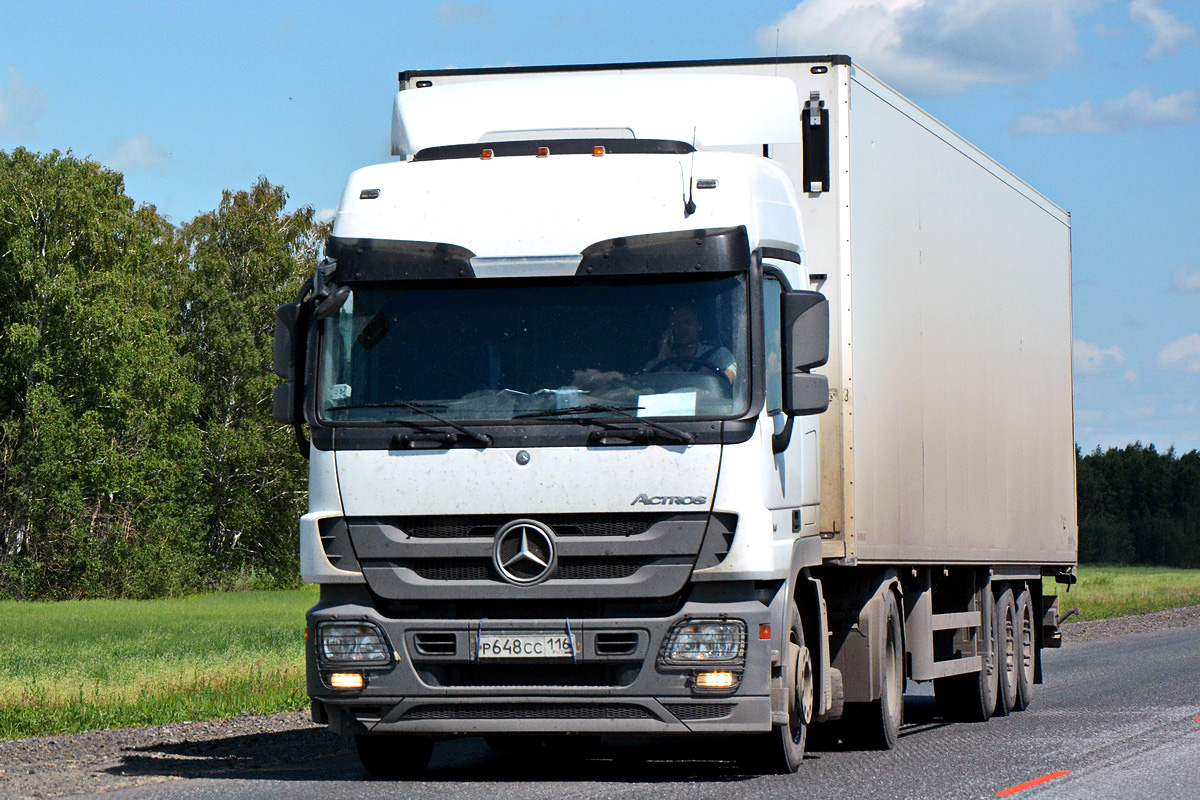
column 709, row 110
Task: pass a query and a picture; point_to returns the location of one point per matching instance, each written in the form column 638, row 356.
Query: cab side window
column 773, row 344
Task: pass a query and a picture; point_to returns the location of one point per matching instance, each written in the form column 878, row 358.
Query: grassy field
column 1105, row 592
column 90, row 664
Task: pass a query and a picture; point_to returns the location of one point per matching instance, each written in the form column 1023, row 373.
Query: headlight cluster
column 696, row 642
column 352, row 643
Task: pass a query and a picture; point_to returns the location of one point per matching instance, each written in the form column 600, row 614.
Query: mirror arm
column 781, row 440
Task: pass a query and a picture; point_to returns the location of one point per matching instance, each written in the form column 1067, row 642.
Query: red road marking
column 1049, row 776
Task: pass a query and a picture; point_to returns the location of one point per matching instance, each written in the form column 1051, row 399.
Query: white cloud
column 1182, row 354
column 1139, row 107
column 136, row 152
column 326, row 214
column 1169, row 30
column 1131, row 376
column 933, row 46
column 1090, row 358
column 21, row 104
column 452, row 12
column 1186, row 280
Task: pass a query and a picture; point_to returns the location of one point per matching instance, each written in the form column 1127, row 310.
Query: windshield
column 489, row 350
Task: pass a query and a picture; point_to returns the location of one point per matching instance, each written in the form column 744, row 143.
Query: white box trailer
column 950, row 436
column 531, row 513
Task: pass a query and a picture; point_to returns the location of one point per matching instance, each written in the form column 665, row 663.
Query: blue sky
column 1096, row 103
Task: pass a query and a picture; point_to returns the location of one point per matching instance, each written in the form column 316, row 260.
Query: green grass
column 1105, row 592
column 89, row 664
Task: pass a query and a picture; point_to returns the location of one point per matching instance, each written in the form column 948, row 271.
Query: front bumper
column 617, row 683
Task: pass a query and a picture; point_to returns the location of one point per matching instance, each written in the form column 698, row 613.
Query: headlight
column 704, row 641
column 352, row 643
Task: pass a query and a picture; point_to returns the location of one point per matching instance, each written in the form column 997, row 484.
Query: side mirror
column 288, row 338
column 805, row 320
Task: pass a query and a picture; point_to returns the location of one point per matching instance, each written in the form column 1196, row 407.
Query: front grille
column 479, row 569
column 529, row 711
column 485, row 526
column 688, row 712
column 436, row 644
column 450, row 558
column 526, row 675
column 618, row 643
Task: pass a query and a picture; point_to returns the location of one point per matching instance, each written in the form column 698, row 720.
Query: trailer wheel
column 1006, row 653
column 393, row 756
column 972, row 697
column 781, row 751
column 876, row 725
column 1026, row 649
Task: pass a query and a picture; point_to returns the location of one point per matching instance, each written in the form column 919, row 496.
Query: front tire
column 781, row 752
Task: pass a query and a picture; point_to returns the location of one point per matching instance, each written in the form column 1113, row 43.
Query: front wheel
column 781, row 751
column 393, row 756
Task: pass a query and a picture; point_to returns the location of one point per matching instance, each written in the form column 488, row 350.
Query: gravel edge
column 102, row 761
column 1091, row 630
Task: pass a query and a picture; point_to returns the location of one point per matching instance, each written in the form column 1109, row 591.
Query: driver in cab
column 682, row 349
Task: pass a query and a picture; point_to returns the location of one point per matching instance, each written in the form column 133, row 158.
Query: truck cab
column 563, row 458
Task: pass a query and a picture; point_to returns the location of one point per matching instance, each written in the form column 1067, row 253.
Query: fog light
column 346, row 680
column 352, row 643
column 716, row 680
column 706, row 640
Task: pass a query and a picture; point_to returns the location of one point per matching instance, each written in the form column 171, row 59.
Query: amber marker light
column 764, row 631
column 542, row 152
column 487, row 153
column 346, row 680
column 598, row 150
column 715, row 680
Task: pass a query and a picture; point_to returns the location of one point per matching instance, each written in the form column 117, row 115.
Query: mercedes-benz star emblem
column 524, row 552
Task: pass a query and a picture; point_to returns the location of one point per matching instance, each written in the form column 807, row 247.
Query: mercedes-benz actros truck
column 716, row 399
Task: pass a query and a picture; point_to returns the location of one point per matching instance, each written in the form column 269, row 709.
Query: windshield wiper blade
column 590, row 408
column 389, row 404
column 482, row 438
column 620, row 411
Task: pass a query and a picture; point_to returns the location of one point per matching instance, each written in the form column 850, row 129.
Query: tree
column 246, row 258
column 97, row 441
column 1137, row 505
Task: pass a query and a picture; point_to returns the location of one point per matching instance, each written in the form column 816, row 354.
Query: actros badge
column 525, row 552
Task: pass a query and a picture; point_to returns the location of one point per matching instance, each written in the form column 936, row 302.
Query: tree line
column 138, row 457
column 137, row 453
column 1139, row 506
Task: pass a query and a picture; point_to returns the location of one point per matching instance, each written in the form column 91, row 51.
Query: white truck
column 681, row 399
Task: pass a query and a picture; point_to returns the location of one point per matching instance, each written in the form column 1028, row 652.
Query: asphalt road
column 1119, row 716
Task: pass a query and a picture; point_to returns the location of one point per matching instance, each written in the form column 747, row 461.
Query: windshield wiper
column 620, row 411
column 389, row 404
column 482, row 438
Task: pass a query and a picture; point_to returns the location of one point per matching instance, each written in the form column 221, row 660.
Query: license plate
column 526, row 645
